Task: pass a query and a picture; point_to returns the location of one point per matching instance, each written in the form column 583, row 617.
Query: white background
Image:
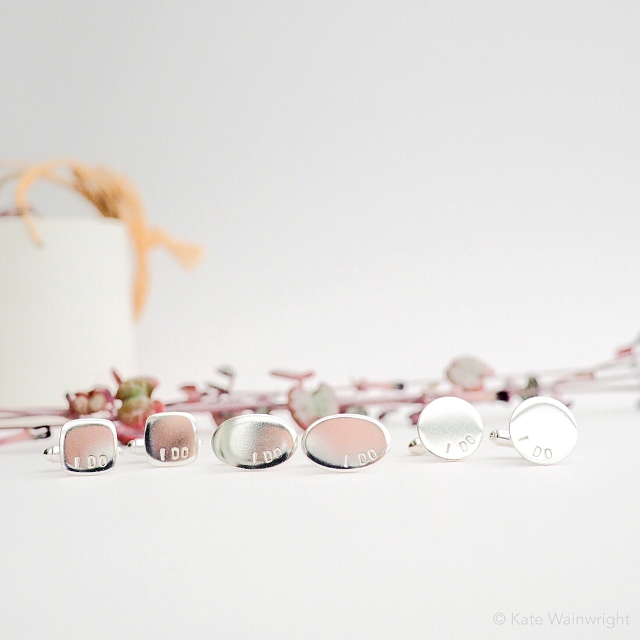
column 379, row 187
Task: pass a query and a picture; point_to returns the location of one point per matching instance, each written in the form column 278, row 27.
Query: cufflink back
column 87, row 446
column 449, row 428
column 254, row 441
column 170, row 439
column 346, row 441
column 542, row 430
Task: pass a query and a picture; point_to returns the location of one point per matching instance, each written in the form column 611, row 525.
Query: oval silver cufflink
column 87, row 446
column 449, row 428
column 542, row 430
column 254, row 441
column 170, row 439
column 346, row 441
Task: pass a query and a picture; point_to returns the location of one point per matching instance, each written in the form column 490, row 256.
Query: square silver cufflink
column 87, row 446
column 170, row 439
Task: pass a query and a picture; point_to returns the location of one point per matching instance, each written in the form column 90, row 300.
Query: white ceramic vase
column 66, row 308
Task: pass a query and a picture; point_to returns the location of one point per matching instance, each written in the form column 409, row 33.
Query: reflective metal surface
column 417, row 448
column 346, row 441
column 88, row 446
column 450, row 428
column 501, row 437
column 254, row 441
column 543, row 430
column 171, row 439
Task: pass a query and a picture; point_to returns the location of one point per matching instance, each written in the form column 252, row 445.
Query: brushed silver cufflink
column 254, row 441
column 346, row 441
column 87, row 446
column 541, row 429
column 170, row 439
column 449, row 428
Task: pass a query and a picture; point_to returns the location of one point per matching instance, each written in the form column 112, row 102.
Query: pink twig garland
column 466, row 377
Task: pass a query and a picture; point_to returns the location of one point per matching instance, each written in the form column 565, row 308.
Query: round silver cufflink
column 87, row 446
column 542, row 430
column 254, row 441
column 170, row 439
column 346, row 441
column 449, row 428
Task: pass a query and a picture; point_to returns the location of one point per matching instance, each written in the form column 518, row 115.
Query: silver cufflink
column 449, row 428
column 170, row 439
column 254, row 441
column 87, row 446
column 346, row 441
column 541, row 429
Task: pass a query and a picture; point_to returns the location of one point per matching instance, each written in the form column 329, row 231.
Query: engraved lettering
column 448, row 446
column 346, row 461
column 463, row 445
column 547, row 454
column 92, row 461
column 470, row 440
column 163, row 454
column 537, row 451
column 372, row 454
column 362, row 459
column 175, row 453
column 184, row 452
column 267, row 455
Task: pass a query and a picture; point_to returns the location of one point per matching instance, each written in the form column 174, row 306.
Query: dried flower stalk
column 114, row 197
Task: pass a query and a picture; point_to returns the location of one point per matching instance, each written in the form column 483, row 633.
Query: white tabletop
column 412, row 547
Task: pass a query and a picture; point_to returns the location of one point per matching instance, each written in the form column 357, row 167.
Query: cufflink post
column 52, row 454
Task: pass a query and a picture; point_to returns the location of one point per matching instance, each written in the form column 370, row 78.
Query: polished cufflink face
column 346, row 441
column 87, row 446
column 449, row 428
column 171, row 439
column 254, row 441
column 543, row 430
